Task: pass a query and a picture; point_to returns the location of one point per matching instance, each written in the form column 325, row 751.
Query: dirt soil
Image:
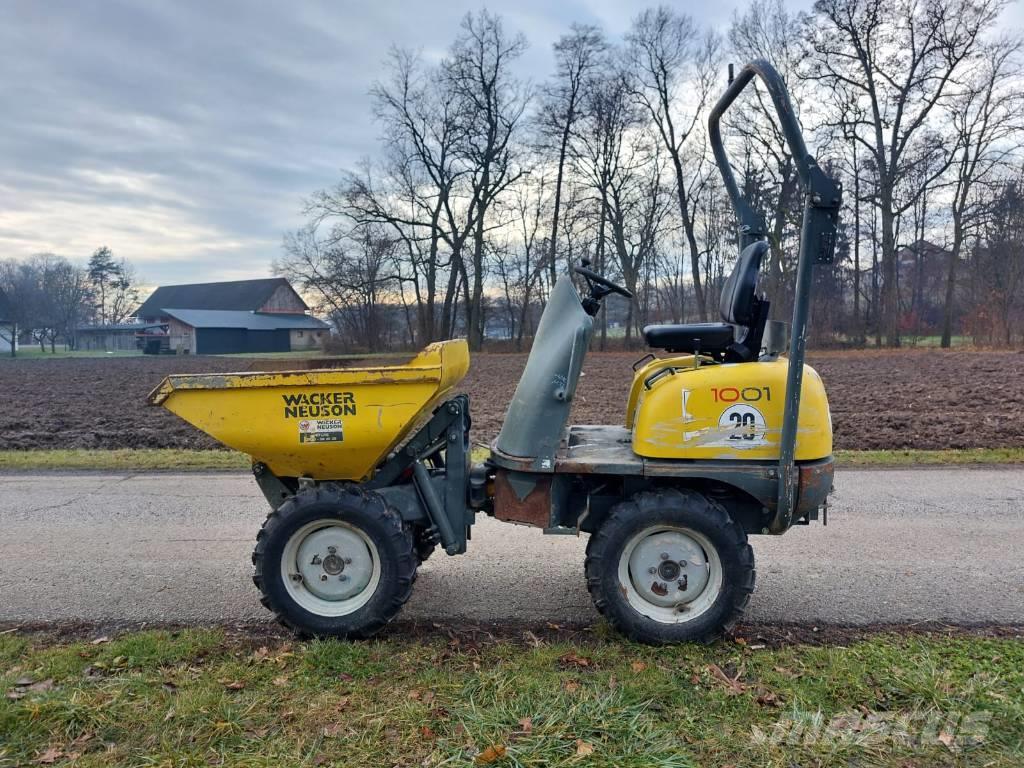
column 905, row 399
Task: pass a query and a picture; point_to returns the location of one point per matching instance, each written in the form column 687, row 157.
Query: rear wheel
column 334, row 561
column 670, row 566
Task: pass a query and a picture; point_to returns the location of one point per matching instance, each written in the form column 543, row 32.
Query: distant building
column 123, row 337
column 7, row 325
column 265, row 315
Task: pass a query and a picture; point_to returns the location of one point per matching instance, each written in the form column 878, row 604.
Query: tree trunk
column 890, row 292
column 947, row 307
column 858, row 327
column 553, row 250
column 691, row 239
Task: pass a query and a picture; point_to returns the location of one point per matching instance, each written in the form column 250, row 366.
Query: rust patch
column 534, row 509
column 659, row 589
column 815, row 485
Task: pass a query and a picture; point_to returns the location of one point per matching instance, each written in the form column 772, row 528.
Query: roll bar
column 822, row 199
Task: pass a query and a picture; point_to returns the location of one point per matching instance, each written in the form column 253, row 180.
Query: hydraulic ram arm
column 822, row 199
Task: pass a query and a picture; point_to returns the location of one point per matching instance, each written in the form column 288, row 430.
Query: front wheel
column 334, row 561
column 670, row 566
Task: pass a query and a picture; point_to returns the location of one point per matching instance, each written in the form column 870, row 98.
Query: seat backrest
column 739, row 304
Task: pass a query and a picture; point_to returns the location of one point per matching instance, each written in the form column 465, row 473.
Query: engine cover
column 728, row 411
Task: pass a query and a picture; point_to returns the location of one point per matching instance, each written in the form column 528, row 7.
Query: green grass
column 123, row 459
column 34, row 353
column 154, row 459
column 936, row 341
column 197, row 698
column 316, row 354
column 915, row 458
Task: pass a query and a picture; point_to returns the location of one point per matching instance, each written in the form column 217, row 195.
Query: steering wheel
column 604, row 282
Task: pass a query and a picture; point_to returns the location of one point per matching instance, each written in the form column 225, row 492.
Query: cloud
column 185, row 135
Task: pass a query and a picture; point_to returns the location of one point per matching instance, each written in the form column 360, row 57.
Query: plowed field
column 904, row 399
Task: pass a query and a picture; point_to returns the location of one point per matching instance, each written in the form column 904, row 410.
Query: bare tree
column 599, row 148
column 19, row 286
column 492, row 103
column 766, row 30
column 986, row 117
column 888, row 65
column 578, row 59
column 672, row 65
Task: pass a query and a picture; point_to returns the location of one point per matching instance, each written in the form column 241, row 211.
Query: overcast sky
column 185, row 135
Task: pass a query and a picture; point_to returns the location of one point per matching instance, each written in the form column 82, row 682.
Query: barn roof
column 253, row 321
column 236, row 295
column 5, row 308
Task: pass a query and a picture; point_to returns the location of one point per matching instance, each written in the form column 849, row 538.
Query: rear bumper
column 815, row 484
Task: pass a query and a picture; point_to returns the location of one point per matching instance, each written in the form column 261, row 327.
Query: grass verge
column 197, row 697
column 154, row 459
column 123, row 459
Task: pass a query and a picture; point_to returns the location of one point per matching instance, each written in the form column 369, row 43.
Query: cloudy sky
column 185, row 135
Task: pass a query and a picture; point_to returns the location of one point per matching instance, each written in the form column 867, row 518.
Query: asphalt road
column 900, row 546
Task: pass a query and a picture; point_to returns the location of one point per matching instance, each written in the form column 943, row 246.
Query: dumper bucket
column 328, row 424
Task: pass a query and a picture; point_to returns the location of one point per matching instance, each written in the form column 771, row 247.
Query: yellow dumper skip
column 330, row 424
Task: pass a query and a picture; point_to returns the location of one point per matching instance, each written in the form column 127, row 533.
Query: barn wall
column 227, row 341
column 284, row 299
column 109, row 340
column 306, row 339
column 182, row 337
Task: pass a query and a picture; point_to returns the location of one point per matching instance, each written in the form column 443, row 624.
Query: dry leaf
column 82, row 738
column 414, row 694
column 584, row 748
column 572, row 659
column 281, row 681
column 234, row 685
column 571, row 686
column 333, row 730
column 733, row 684
column 52, row 755
column 946, row 739
column 169, row 715
column 638, row 666
column 427, row 733
column 100, row 640
column 490, row 755
column 346, row 677
column 526, row 725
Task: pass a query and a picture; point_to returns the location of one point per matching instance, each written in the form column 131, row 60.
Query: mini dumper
column 367, row 470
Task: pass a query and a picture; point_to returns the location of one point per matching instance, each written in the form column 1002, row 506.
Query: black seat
column 738, row 339
column 709, row 337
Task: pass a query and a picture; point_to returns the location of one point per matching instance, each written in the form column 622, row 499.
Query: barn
column 239, row 316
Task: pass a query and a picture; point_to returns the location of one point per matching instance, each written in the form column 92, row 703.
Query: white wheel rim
column 670, row 574
column 330, row 568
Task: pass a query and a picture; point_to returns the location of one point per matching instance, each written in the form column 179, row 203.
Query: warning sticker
column 321, row 431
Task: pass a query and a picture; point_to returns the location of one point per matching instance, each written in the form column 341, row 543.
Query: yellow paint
column 260, row 413
column 731, row 411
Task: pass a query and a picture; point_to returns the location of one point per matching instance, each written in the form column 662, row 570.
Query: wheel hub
column 668, row 569
column 334, row 563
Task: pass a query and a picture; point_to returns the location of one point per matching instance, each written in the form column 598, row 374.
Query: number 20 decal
column 747, row 394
